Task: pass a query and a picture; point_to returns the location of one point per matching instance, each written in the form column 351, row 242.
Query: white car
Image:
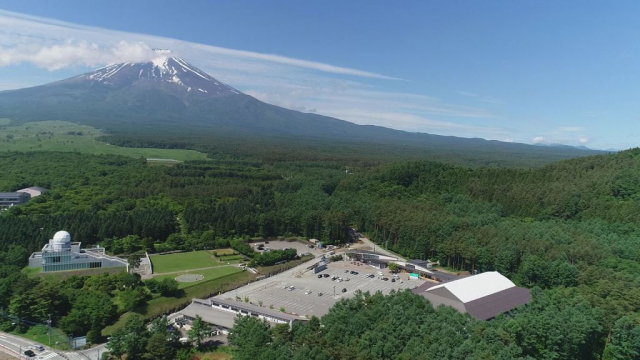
column 307, row 292
column 291, row 288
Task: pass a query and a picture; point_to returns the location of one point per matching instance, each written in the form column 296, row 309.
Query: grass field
column 208, row 274
column 58, row 136
column 182, row 261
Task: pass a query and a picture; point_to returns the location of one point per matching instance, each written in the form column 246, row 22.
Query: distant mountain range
column 171, row 94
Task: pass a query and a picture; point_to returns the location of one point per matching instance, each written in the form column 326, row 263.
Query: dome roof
column 62, row 237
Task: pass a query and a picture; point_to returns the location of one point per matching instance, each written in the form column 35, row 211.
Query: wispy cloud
column 99, row 44
column 346, row 93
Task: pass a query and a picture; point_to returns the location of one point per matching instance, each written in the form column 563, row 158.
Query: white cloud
column 571, row 129
column 38, row 30
column 538, row 140
column 342, row 92
column 583, row 140
column 70, row 53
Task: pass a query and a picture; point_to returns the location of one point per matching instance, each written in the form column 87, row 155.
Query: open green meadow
column 170, row 263
column 209, row 274
column 66, row 136
column 182, row 261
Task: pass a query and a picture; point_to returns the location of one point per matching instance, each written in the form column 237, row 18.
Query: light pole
column 49, row 328
column 334, row 290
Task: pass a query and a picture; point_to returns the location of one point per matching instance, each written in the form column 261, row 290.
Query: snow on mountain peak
column 165, row 67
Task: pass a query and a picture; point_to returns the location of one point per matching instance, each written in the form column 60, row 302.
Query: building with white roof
column 482, row 296
column 33, row 191
column 61, row 254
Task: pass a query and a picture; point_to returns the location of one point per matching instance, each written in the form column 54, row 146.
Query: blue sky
column 532, row 72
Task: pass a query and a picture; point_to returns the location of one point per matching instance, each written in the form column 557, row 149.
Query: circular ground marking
column 189, row 278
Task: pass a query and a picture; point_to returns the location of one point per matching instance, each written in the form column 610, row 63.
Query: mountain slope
column 169, row 96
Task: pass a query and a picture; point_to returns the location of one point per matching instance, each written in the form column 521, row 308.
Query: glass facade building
column 62, row 260
column 60, row 254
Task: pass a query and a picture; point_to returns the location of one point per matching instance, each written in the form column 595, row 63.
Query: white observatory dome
column 61, row 240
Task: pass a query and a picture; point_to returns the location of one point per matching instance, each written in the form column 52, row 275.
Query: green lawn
column 208, row 274
column 55, row 136
column 182, row 261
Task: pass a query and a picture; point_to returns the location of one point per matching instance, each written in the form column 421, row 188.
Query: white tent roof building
column 483, row 296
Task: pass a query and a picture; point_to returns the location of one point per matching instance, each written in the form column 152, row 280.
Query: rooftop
column 36, row 188
column 256, row 309
column 478, row 286
column 212, row 316
column 423, row 263
column 7, row 194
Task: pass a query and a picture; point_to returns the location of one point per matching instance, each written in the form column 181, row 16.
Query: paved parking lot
column 281, row 244
column 271, row 290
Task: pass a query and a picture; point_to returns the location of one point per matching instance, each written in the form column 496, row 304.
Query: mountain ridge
column 168, row 94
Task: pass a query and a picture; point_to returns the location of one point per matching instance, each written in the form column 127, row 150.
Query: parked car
column 307, row 292
column 344, row 290
column 380, row 273
column 326, row 275
column 291, row 288
column 266, row 242
column 393, row 280
column 319, row 294
column 319, row 276
column 385, row 279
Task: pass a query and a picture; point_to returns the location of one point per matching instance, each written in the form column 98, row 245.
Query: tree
column 131, row 299
column 158, row 348
column 131, row 339
column 199, row 331
column 393, row 267
column 250, row 337
column 134, row 262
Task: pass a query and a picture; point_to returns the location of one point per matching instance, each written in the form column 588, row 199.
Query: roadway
column 15, row 346
column 371, row 245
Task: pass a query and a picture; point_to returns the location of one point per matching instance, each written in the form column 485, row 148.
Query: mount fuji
column 171, row 98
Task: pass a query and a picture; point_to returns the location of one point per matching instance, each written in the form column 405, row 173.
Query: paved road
column 378, row 248
column 15, row 346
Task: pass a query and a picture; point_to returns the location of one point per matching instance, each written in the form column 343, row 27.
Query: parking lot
column 281, row 244
column 304, row 299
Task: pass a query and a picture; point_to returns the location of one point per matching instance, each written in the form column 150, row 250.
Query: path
column 378, row 248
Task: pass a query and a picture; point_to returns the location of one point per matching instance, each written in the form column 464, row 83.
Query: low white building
column 34, row 191
column 482, row 296
column 61, row 254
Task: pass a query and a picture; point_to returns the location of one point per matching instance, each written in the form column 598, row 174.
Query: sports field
column 66, row 136
column 208, row 274
column 183, row 261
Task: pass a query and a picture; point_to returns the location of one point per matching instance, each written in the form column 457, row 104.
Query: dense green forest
column 571, row 230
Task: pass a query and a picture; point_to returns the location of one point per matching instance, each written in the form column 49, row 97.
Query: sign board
column 78, row 342
column 414, row 276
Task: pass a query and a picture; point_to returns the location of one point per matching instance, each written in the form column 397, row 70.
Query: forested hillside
column 570, row 229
